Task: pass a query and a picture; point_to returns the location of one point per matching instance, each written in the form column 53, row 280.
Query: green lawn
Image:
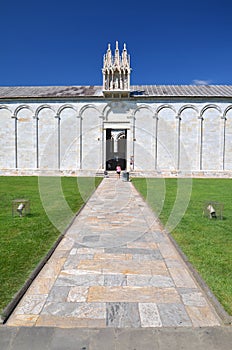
column 24, row 241
column 207, row 243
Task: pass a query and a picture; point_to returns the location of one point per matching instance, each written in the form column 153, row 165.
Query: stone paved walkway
column 115, row 268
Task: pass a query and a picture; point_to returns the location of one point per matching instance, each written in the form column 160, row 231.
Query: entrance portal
column 116, row 148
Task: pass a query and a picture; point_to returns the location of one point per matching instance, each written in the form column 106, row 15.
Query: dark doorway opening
column 116, row 148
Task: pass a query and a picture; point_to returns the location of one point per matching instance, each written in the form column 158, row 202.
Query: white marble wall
column 47, row 139
column 189, row 140
column 171, row 136
column 228, row 140
column 7, row 140
column 167, row 140
column 26, row 150
column 69, row 140
column 144, row 140
column 91, row 139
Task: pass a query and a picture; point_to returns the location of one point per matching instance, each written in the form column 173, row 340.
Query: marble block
column 149, row 315
column 122, row 315
column 174, row 315
column 131, row 293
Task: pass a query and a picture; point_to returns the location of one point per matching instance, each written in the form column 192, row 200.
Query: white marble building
column 84, row 130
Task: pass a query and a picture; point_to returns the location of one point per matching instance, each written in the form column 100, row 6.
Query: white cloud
column 201, row 82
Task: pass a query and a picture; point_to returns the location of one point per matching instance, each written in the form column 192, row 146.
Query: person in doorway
column 118, row 171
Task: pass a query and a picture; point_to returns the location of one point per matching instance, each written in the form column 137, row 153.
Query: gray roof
column 49, row 91
column 15, row 92
column 183, row 90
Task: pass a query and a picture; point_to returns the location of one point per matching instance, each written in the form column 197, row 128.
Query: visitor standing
column 118, row 171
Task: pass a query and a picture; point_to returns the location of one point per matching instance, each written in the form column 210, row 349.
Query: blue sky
column 62, row 42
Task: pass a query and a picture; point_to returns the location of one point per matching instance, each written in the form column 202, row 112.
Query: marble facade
column 170, row 130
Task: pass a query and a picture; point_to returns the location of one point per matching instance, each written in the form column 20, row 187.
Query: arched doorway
column 116, row 148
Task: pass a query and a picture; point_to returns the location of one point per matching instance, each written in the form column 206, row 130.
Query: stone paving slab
column 115, row 268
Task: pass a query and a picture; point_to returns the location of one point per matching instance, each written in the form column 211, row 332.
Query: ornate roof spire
column 116, row 72
column 125, row 57
column 117, row 57
column 107, row 62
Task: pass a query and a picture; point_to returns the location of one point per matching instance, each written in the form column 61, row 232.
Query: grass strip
column 24, row 241
column 207, row 243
